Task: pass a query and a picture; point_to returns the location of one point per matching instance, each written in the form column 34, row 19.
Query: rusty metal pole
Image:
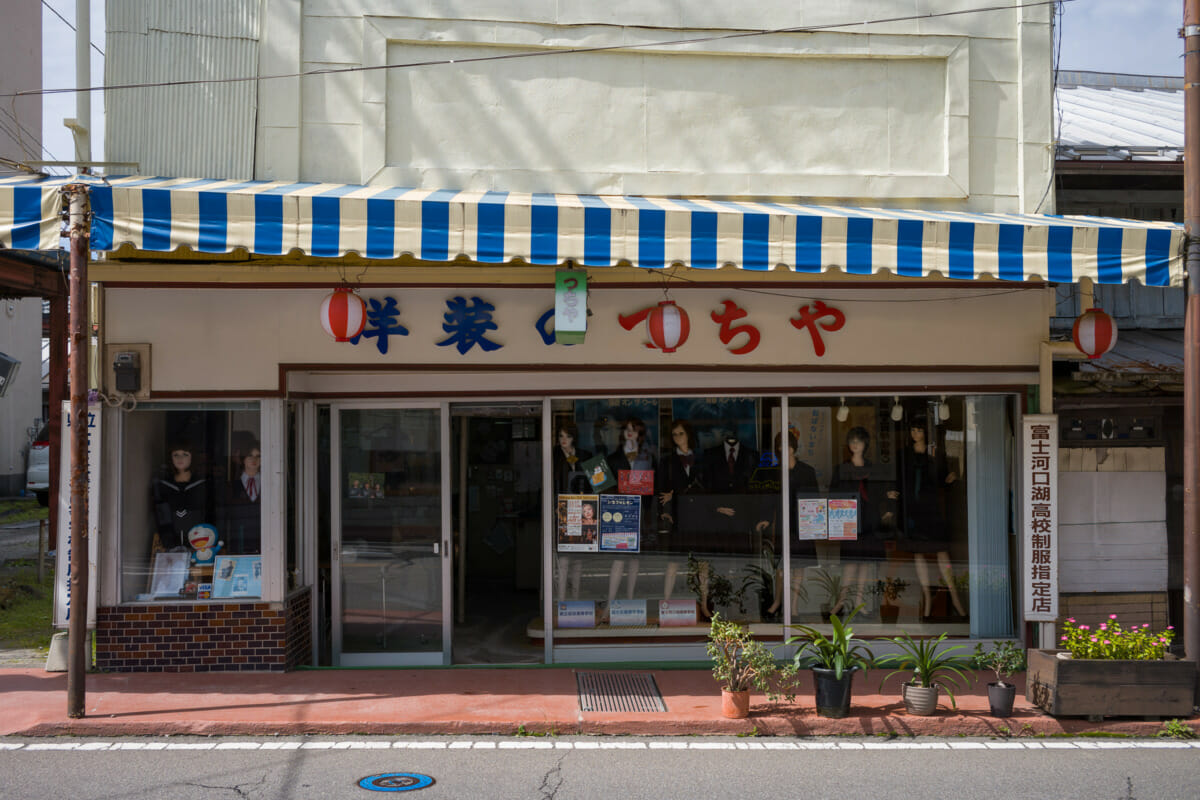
column 77, row 650
column 1191, row 347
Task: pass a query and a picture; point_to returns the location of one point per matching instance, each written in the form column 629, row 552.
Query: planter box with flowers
column 1111, row 672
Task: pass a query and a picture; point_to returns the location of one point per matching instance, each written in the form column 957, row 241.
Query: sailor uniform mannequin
column 180, row 500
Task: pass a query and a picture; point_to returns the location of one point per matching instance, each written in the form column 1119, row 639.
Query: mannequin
column 876, row 511
column 802, row 482
column 180, row 500
column 633, row 453
column 242, row 508
column 680, row 475
column 726, row 470
column 565, row 458
column 925, row 531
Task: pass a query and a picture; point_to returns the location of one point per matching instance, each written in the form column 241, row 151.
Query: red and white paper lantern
column 343, row 315
column 667, row 326
column 1094, row 333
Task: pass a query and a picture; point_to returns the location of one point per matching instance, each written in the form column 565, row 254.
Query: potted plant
column 1004, row 659
column 1111, row 671
column 933, row 668
column 742, row 663
column 831, row 585
column 889, row 591
column 833, row 660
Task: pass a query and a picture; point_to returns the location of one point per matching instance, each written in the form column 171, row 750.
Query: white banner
column 62, row 570
column 1039, row 485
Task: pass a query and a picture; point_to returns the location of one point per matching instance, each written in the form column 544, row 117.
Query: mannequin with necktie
column 242, row 509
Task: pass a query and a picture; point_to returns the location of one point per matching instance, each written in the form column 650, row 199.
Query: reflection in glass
column 391, row 570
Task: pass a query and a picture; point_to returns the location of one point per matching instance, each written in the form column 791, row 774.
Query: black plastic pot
column 1001, row 698
column 833, row 693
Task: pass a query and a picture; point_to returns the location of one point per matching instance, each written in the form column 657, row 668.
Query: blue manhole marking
column 396, row 782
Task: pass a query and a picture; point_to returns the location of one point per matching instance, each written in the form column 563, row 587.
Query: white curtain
column 989, row 471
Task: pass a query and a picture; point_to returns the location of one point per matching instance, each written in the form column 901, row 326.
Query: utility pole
column 80, row 224
column 1191, row 346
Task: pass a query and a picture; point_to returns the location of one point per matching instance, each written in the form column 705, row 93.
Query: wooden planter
column 1096, row 688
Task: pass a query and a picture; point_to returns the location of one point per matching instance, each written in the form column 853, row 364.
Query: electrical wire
column 69, row 25
column 544, row 53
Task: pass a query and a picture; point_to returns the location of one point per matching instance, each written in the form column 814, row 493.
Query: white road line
column 607, row 744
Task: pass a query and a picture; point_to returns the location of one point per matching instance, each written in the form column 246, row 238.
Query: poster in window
column 170, row 574
column 575, row 523
column 843, row 519
column 237, row 576
column 620, row 523
column 598, row 473
column 812, row 518
column 635, row 481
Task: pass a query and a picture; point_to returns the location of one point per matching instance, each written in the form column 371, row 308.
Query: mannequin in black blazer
column 243, row 509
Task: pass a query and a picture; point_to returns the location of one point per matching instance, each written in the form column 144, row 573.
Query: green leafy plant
column 831, row 585
column 1176, row 729
column 719, row 592
column 839, row 651
column 930, row 663
column 890, row 589
column 1004, row 659
column 1110, row 641
column 741, row 662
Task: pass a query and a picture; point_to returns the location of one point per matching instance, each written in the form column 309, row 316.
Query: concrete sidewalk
column 479, row 701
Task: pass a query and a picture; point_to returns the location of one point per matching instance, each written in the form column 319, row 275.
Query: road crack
column 552, row 781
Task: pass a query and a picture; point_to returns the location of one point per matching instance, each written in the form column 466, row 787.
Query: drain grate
column 619, row 691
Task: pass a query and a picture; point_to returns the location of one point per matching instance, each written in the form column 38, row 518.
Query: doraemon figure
column 203, row 539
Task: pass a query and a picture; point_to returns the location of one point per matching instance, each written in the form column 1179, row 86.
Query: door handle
column 437, row 548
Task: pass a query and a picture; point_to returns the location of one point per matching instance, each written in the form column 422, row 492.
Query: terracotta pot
column 735, row 705
column 1001, row 699
column 920, row 701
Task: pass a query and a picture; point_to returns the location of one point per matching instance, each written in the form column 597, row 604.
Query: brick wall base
column 205, row 637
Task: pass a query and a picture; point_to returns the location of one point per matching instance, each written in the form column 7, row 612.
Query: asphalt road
column 600, row 767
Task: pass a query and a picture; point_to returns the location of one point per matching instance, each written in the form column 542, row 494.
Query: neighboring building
column 1120, row 154
column 828, row 233
column 20, row 314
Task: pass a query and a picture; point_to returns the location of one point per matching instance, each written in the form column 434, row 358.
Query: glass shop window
column 905, row 515
column 192, row 482
column 665, row 513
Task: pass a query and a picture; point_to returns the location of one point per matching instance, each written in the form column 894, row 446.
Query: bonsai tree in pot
column 742, row 663
column 1004, row 659
column 833, row 660
column 932, row 666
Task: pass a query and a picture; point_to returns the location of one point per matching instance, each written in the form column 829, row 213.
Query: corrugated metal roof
column 207, row 129
column 1114, row 117
column 1139, row 361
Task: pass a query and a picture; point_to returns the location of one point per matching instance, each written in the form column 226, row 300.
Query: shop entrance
column 388, row 537
column 496, row 464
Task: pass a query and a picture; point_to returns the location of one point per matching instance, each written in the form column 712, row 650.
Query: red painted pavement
column 477, row 701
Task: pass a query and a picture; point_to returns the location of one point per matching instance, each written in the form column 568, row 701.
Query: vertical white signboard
column 1039, row 485
column 62, row 571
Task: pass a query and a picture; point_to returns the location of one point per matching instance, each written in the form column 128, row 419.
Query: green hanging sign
column 570, row 306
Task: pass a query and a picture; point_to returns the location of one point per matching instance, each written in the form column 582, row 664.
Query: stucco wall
column 937, row 111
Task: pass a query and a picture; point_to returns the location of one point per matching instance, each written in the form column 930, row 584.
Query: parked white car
column 37, row 474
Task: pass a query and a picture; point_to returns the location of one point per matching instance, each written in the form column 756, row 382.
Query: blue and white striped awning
column 321, row 219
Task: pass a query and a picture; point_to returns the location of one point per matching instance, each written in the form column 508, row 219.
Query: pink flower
column 1104, row 626
column 1145, row 624
column 1072, row 619
column 1112, row 616
column 1093, row 638
column 1106, row 641
column 1064, row 638
column 1170, row 627
column 1084, row 628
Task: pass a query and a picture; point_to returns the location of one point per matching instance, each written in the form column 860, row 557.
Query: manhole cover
column 396, row 782
column 619, row 691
